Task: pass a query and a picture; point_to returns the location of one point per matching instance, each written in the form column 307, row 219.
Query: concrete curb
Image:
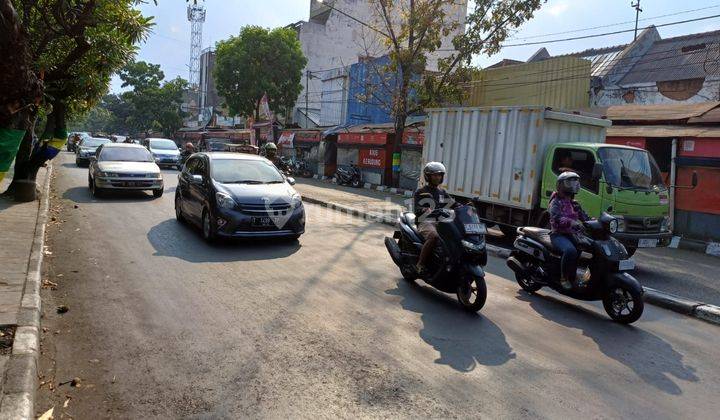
column 21, row 371
column 699, row 310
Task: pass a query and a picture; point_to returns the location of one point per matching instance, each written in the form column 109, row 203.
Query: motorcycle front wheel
column 472, row 293
column 623, row 304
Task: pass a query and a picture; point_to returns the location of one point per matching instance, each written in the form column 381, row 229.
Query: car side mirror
column 196, row 179
column 291, row 180
column 694, row 181
column 597, row 171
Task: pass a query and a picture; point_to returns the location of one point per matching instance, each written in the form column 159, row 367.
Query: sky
column 169, row 44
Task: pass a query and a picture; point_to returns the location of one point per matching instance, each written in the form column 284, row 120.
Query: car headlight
column 224, row 201
column 665, row 224
column 472, row 247
column 153, row 175
column 107, row 175
column 296, row 201
column 613, row 226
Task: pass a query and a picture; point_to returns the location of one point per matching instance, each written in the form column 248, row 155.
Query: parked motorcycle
column 456, row 263
column 348, row 176
column 602, row 268
column 301, row 168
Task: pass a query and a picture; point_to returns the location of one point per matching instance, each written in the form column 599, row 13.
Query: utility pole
column 636, row 5
column 307, row 91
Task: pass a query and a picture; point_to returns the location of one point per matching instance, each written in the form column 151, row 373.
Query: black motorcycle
column 301, row 168
column 349, row 175
column 456, row 263
column 602, row 267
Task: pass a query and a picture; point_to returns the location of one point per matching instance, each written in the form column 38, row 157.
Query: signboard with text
column 363, row 138
column 372, row 158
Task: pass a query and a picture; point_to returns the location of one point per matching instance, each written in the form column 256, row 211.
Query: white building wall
column 648, row 94
column 340, row 41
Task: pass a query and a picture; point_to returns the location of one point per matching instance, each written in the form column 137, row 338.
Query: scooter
column 348, row 176
column 602, row 268
column 456, row 264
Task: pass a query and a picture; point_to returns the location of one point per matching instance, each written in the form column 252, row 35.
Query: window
column 578, row 161
column 124, row 154
column 245, row 171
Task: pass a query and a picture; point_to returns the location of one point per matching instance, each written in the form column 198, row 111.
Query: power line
column 552, row 41
column 613, row 24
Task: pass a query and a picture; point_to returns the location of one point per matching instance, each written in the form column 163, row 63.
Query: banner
column 9, row 144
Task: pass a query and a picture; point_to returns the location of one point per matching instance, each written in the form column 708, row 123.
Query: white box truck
column 508, row 159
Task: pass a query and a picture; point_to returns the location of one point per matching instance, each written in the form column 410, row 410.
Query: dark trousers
column 565, row 244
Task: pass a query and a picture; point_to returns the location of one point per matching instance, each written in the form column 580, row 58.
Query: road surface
column 162, row 325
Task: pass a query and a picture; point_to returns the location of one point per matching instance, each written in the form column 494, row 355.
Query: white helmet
column 568, row 183
column 432, row 168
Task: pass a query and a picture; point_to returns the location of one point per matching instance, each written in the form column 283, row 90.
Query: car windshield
column 163, row 145
column 241, row 171
column 629, row 168
column 94, row 142
column 125, row 154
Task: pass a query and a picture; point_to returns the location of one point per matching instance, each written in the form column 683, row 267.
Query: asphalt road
column 162, row 325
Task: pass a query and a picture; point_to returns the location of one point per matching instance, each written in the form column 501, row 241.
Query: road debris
column 47, row 284
column 62, row 309
column 48, row 415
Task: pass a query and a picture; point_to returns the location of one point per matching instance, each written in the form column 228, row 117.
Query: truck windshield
column 629, row 168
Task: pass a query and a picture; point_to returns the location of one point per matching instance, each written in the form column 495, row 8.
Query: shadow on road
column 83, row 195
column 72, row 165
column 172, row 239
column 463, row 340
column 649, row 356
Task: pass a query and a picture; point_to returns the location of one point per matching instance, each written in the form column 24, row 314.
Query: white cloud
column 558, row 8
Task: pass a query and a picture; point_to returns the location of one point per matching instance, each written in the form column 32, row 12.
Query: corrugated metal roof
column 679, row 58
column 662, row 131
column 601, row 59
column 664, row 112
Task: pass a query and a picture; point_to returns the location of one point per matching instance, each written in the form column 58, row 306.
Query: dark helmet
column 270, row 146
column 432, row 168
column 568, row 183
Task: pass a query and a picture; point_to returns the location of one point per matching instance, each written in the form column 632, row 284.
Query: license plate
column 626, row 265
column 647, row 243
column 475, row 228
column 261, row 221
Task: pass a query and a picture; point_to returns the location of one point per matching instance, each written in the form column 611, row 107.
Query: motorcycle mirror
column 290, row 180
column 597, row 171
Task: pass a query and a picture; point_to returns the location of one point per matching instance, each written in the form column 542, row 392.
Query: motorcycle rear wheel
column 472, row 293
column 624, row 305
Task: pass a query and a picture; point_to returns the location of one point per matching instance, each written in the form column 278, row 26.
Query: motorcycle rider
column 425, row 200
column 566, row 217
column 271, row 153
column 189, row 150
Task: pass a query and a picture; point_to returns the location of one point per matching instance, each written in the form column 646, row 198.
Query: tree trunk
column 24, row 185
column 400, row 119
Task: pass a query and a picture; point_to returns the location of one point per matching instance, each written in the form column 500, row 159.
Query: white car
column 124, row 166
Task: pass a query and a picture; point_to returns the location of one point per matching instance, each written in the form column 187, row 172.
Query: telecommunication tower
column 196, row 16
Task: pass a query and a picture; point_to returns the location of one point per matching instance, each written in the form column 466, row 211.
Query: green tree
column 256, row 62
column 153, row 104
column 65, row 52
column 413, row 29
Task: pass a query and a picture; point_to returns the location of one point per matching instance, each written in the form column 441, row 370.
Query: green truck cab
column 622, row 181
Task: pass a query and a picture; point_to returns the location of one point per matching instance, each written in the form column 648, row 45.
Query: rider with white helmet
column 425, row 200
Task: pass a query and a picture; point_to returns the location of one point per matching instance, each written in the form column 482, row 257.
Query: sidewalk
column 678, row 279
column 23, row 227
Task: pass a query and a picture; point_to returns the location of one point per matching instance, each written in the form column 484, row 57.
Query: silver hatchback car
column 122, row 166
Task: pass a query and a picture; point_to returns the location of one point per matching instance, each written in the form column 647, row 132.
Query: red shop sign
column 372, row 158
column 363, row 138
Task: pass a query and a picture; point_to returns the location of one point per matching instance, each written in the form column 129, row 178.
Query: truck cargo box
column 496, row 153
